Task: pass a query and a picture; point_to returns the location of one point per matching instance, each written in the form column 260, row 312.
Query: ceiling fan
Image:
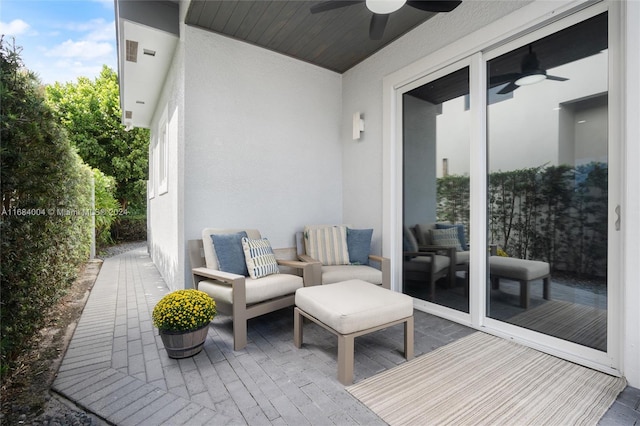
column 382, row 8
column 530, row 73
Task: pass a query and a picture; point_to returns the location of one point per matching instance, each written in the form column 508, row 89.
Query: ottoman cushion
column 353, row 305
column 518, row 269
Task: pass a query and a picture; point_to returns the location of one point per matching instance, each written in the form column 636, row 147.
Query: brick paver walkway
column 116, row 366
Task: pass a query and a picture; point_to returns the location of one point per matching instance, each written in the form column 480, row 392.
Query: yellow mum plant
column 184, row 310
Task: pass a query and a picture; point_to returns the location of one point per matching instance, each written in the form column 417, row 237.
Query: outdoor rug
column 585, row 325
column 485, row 380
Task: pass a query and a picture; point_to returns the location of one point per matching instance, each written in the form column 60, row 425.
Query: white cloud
column 14, row 28
column 84, row 49
column 103, row 31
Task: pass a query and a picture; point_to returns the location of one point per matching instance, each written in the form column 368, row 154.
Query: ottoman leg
column 345, row 359
column 546, row 288
column 524, row 294
column 408, row 338
column 297, row 328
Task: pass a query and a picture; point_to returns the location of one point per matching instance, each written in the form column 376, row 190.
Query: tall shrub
column 90, row 111
column 45, row 222
column 107, row 207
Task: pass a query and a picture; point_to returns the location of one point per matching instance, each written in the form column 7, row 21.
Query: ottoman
column 521, row 270
column 350, row 309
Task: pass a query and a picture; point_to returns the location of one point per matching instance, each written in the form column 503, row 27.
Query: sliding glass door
column 548, row 184
column 509, row 186
column 436, row 189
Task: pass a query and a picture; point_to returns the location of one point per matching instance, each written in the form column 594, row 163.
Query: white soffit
column 141, row 81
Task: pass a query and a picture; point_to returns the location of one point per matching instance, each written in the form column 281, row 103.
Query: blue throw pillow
column 359, row 245
column 461, row 236
column 230, row 253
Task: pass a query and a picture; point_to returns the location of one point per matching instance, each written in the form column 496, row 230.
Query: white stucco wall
column 262, row 140
column 164, row 212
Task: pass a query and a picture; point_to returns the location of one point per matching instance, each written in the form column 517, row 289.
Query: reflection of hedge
column 557, row 213
column 46, row 194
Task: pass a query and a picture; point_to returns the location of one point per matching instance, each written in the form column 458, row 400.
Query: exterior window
column 163, row 160
column 151, row 183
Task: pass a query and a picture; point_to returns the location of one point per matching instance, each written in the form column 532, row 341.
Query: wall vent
column 128, row 114
column 149, row 52
column 132, row 51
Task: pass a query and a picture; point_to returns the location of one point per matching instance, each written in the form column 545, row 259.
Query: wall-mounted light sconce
column 358, row 126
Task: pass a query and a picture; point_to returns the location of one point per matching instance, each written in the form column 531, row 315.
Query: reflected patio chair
column 425, row 265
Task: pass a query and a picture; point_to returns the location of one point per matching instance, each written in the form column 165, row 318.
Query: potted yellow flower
column 182, row 318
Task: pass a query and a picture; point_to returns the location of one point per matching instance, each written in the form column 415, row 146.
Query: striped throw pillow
column 327, row 245
column 259, row 257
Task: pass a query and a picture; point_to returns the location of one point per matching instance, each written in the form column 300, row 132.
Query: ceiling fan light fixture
column 384, row 6
column 531, row 78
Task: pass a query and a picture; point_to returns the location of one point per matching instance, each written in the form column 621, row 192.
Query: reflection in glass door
column 436, row 191
column 547, row 184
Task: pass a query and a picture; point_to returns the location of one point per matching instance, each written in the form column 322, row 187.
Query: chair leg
column 345, row 359
column 239, row 332
column 297, row 328
column 495, row 283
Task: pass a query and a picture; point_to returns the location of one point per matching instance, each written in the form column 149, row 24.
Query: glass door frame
column 475, row 52
column 471, row 63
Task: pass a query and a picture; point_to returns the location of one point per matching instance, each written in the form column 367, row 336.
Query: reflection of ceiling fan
column 530, row 73
column 382, row 8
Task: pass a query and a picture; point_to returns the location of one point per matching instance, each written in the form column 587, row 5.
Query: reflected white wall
column 525, row 131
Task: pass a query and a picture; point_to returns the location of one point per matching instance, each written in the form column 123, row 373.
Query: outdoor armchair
column 243, row 293
column 435, row 236
column 426, row 264
column 342, row 253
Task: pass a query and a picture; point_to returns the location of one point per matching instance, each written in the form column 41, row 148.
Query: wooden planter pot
column 183, row 344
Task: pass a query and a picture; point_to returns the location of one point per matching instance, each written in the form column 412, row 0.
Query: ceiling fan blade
column 503, row 78
column 508, row 88
column 555, row 78
column 434, row 5
column 377, row 26
column 333, row 4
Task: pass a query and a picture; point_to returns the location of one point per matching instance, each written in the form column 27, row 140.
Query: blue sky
column 62, row 40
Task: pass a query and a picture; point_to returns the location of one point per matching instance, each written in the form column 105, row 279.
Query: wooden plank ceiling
column 337, row 39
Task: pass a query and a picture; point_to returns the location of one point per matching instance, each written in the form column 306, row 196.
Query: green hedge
column 555, row 213
column 46, row 211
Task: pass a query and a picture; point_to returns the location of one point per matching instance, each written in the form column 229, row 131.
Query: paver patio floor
column 116, row 366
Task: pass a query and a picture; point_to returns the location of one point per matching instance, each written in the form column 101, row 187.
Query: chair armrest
column 307, row 258
column 430, row 254
column 237, row 282
column 213, row 274
column 310, row 270
column 448, row 249
column 385, row 268
column 314, row 272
